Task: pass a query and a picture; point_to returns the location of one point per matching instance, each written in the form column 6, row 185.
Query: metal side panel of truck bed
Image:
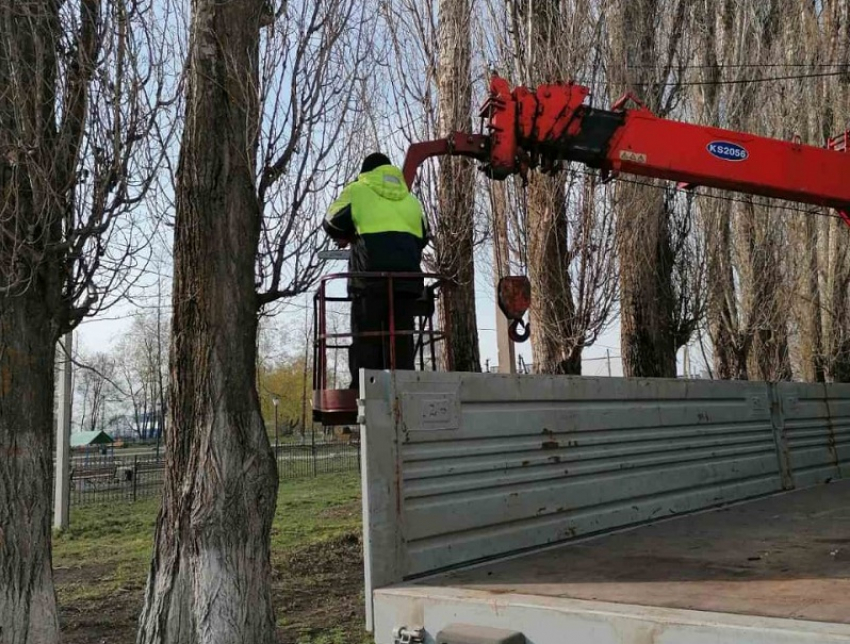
column 506, row 477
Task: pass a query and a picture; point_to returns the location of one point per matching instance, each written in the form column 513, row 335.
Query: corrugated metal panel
column 543, row 459
column 816, row 425
column 838, row 405
column 463, row 467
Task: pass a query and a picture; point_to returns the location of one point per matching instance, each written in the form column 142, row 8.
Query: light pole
column 62, row 473
column 276, row 402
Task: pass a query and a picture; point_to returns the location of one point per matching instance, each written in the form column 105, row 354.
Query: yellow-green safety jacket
column 383, row 222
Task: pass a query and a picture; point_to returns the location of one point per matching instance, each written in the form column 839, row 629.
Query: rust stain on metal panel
column 830, row 428
column 550, row 445
column 784, row 456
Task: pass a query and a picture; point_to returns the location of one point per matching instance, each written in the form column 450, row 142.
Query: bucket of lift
column 334, row 406
column 514, row 295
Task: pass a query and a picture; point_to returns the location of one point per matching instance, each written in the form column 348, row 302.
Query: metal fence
column 98, row 478
column 119, row 478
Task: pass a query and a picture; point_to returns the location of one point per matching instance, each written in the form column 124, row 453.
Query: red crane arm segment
column 551, row 124
column 476, row 146
column 649, row 146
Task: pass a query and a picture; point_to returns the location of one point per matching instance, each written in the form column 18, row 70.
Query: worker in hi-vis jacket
column 387, row 230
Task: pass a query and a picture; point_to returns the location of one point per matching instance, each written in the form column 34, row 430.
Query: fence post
column 135, row 475
column 313, row 447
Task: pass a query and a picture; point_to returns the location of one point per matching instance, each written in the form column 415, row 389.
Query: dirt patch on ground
column 319, row 590
column 318, row 597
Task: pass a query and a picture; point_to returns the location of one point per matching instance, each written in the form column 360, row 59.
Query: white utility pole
column 504, row 347
column 62, row 473
column 608, row 360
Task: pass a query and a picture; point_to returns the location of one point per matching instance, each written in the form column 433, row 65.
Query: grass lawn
column 101, row 564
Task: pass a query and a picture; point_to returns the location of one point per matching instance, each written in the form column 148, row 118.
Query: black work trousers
column 370, row 313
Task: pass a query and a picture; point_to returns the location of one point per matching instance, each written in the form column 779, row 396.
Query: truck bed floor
column 786, row 556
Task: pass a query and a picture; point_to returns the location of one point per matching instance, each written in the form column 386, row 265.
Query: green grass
column 107, row 548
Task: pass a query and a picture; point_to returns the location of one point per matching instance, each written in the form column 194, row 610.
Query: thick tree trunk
column 456, row 190
column 836, row 310
column 556, row 350
column 645, row 255
column 28, row 612
column 764, row 295
column 808, row 302
column 646, row 335
column 30, row 214
column 556, row 335
column 730, row 346
column 210, row 575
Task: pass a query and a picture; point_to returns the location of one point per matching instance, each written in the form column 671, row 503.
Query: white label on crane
column 727, row 151
column 329, row 255
column 628, row 155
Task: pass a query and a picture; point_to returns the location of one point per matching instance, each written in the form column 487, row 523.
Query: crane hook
column 517, row 335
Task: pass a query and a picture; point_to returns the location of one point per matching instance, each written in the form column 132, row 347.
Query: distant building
column 128, row 427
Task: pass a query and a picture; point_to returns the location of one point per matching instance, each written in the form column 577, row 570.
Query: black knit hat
column 374, row 160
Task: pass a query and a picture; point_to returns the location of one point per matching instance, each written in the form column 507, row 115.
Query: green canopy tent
column 90, row 441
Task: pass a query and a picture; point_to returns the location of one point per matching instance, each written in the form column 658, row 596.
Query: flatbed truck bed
column 545, row 511
column 785, row 557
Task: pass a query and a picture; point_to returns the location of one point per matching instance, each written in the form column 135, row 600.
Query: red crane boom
column 552, row 124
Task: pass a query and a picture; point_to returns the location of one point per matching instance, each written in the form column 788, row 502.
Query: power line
column 763, row 79
column 746, row 66
column 732, row 81
column 696, row 193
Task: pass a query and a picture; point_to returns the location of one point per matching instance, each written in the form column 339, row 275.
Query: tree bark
column 646, row 309
column 764, row 294
column 808, row 301
column 210, row 576
column 455, row 234
column 555, row 349
column 730, row 345
column 30, row 316
column 28, row 611
column 645, row 255
column 555, row 344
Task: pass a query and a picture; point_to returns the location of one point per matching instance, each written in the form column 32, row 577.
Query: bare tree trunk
column 210, row 576
column 28, row 612
column 555, row 349
column 646, row 257
column 80, row 95
column 730, row 345
column 834, row 248
column 646, row 310
column 836, row 310
column 455, row 194
column 30, row 290
column 808, row 304
column 764, row 296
